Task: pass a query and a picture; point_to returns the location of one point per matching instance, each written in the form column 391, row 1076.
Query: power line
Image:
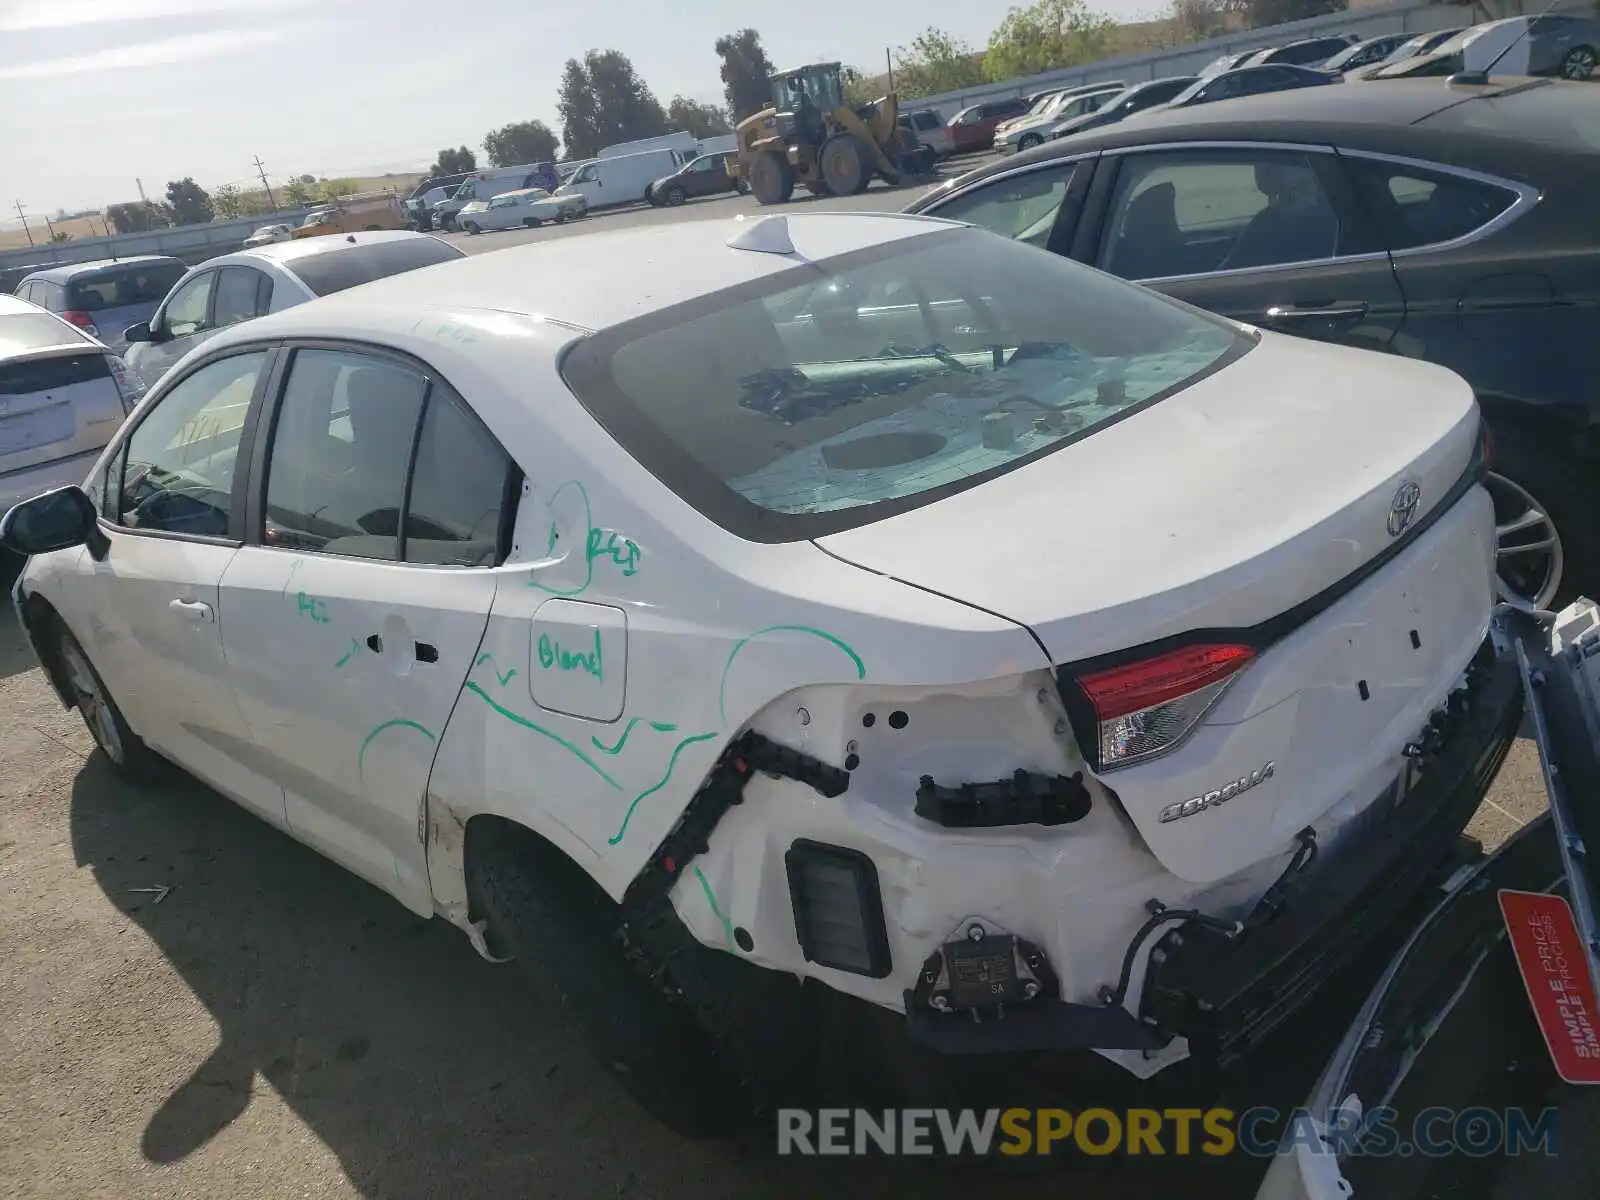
column 261, row 168
column 25, row 228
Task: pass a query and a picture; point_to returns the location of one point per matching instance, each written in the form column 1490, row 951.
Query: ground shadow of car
column 16, row 656
column 427, row 1071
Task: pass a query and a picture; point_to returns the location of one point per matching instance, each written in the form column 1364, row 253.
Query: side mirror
column 56, row 520
column 137, row 333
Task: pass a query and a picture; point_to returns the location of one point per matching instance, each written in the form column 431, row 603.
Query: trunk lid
column 1255, row 496
column 54, row 404
column 1222, row 506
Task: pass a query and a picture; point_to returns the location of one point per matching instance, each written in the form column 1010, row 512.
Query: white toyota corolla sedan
column 692, row 611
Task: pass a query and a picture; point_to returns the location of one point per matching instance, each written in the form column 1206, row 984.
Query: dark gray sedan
column 1444, row 222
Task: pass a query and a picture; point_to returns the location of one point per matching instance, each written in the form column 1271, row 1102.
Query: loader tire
column 843, row 165
column 562, row 931
column 771, row 178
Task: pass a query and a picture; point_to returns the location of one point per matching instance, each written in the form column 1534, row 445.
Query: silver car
column 1039, row 127
column 252, row 283
column 62, row 395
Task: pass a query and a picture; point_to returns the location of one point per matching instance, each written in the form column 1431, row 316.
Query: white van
column 684, row 142
column 725, row 143
column 623, row 180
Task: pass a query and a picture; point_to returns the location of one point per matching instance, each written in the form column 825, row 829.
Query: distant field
column 13, row 238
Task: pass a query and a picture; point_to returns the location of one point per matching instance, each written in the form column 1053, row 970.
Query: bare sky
column 96, row 93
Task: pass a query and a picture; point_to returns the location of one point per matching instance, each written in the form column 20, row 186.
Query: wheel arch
column 39, row 620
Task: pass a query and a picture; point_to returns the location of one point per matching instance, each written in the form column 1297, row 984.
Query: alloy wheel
column 1578, row 64
column 1528, row 557
column 97, row 714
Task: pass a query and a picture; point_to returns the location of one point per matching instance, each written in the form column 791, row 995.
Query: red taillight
column 81, row 320
column 1147, row 707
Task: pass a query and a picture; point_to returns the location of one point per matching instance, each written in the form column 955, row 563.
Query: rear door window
column 1416, row 207
column 241, row 296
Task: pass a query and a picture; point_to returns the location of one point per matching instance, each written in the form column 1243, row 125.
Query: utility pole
column 25, row 228
column 51, row 228
column 140, row 183
column 262, row 171
column 888, row 61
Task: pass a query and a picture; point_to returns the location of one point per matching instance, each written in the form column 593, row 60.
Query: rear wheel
column 472, row 227
column 771, row 178
column 1547, row 548
column 531, row 222
column 563, row 931
column 1579, row 63
column 124, row 750
column 844, row 165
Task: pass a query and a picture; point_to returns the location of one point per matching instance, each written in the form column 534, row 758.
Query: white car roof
column 286, row 252
column 10, row 304
column 592, row 280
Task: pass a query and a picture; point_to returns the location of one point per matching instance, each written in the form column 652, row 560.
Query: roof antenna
column 1476, row 78
column 770, row 235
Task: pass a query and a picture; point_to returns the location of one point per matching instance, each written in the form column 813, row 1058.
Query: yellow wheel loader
column 811, row 136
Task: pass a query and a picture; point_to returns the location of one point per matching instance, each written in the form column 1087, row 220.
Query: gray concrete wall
column 192, row 243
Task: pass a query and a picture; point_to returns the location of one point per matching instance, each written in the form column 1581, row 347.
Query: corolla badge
column 1403, row 508
column 1216, row 796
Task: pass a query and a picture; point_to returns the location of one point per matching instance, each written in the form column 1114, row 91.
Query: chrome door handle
column 195, row 610
column 1289, row 312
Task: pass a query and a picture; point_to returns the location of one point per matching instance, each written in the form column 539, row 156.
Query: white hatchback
column 882, row 604
column 528, row 208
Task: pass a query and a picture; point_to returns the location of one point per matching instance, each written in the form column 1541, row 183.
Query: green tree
column 858, row 87
column 702, row 120
column 449, row 162
column 935, row 62
column 603, row 101
column 1045, row 36
column 520, row 142
column 189, row 202
column 1261, row 13
column 227, row 200
column 139, row 216
column 298, row 192
column 58, row 238
column 746, row 73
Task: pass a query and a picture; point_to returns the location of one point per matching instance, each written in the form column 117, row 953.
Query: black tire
column 1568, row 495
column 675, row 196
column 1028, row 141
column 531, row 222
column 472, row 228
column 742, row 186
column 562, row 930
column 1578, row 63
column 843, row 165
column 561, row 216
column 771, row 178
column 123, row 749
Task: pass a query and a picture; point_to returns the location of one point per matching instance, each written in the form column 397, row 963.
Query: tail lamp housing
column 1147, row 704
column 82, row 320
column 129, row 385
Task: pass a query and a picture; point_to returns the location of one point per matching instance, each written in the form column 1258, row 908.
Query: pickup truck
column 352, row 215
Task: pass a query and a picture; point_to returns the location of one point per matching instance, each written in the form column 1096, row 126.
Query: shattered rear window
column 845, row 391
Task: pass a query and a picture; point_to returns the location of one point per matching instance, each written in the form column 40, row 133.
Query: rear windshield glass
column 121, row 287
column 1563, row 116
column 845, row 391
column 345, row 265
column 22, row 332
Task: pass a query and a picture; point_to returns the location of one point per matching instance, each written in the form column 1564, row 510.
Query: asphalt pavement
column 197, row 1006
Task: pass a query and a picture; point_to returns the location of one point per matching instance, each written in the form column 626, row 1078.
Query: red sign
column 1555, row 971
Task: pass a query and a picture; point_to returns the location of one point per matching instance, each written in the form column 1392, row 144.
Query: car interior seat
column 1149, row 243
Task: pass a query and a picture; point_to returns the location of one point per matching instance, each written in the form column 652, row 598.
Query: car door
column 151, row 623
column 183, row 317
column 241, row 294
column 350, row 631
column 1268, row 235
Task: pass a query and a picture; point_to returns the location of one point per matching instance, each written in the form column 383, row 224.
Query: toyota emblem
column 1403, row 508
